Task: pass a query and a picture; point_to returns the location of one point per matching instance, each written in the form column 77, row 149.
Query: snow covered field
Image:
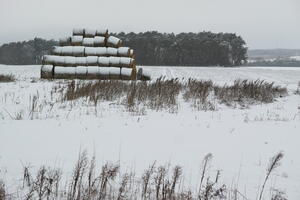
column 241, row 140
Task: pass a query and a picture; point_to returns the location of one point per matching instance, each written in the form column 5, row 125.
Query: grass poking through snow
column 7, row 78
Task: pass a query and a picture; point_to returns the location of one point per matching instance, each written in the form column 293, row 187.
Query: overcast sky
column 262, row 23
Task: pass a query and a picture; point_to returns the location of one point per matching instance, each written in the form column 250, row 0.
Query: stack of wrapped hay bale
column 90, row 54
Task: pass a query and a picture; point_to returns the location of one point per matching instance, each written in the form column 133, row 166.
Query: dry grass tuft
column 7, row 78
column 163, row 94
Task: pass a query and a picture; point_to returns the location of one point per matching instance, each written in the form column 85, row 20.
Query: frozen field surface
column 241, row 140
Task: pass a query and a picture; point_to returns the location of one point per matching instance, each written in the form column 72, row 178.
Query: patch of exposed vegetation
column 7, row 78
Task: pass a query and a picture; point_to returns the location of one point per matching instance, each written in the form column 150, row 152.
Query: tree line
column 151, row 48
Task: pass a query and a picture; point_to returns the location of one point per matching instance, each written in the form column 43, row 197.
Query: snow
column 295, row 58
column 241, row 140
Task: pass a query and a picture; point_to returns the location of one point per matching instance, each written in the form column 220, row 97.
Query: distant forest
column 151, row 48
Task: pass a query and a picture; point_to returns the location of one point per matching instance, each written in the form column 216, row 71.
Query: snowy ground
column 241, row 140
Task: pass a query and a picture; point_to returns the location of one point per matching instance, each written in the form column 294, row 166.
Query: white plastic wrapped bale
column 67, row 51
column 114, row 73
column 114, row 61
column 61, row 72
column 53, row 60
column 103, row 61
column 47, row 71
column 57, row 50
column 76, row 40
column 131, row 53
column 126, row 73
column 126, row 62
column 92, row 60
column 70, row 61
column 78, row 31
column 102, row 32
column 65, row 41
column 89, row 42
column 78, row 51
column 90, row 51
column 101, row 51
column 99, row 41
column 89, row 32
column 93, row 72
column 81, row 72
column 113, row 41
column 123, row 51
column 81, row 61
column 110, row 51
column 104, row 73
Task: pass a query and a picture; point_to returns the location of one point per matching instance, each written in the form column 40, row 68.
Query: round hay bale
column 48, row 59
column 81, row 61
column 99, row 41
column 69, row 61
column 104, row 73
column 53, row 60
column 114, row 61
column 66, row 41
column 126, row 73
column 113, row 41
column 131, row 53
column 47, row 71
column 110, row 51
column 126, row 62
column 88, row 42
column 59, row 60
column 76, row 40
column 102, row 32
column 78, row 51
column 93, row 72
column 89, row 33
column 92, row 60
column 101, row 51
column 103, row 61
column 90, row 51
column 61, row 72
column 57, row 50
column 78, row 31
column 67, row 51
column 123, row 51
column 115, row 73
column 81, row 72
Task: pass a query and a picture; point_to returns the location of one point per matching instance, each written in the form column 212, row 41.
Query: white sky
column 262, row 23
